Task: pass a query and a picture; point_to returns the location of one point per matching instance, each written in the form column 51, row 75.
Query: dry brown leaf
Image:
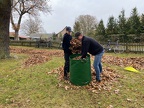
column 117, row 91
column 129, row 100
column 110, row 106
column 66, row 87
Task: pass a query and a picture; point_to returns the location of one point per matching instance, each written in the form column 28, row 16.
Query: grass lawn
column 126, row 55
column 33, row 88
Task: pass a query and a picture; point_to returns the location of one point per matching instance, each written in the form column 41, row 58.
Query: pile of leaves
column 36, row 59
column 36, row 51
column 20, row 50
column 136, row 62
column 36, row 56
column 77, row 58
column 109, row 76
column 75, row 46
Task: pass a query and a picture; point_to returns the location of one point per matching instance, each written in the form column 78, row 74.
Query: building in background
column 59, row 35
column 41, row 36
column 21, row 37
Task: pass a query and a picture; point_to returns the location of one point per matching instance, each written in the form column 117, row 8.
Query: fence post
column 127, row 50
column 21, row 43
column 30, row 44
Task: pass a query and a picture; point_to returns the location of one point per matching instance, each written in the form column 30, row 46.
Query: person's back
column 66, row 43
column 90, row 45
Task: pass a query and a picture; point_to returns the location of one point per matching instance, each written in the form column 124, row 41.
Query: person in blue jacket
column 67, row 52
column 91, row 46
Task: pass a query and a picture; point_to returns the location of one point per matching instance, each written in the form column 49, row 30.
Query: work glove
column 83, row 60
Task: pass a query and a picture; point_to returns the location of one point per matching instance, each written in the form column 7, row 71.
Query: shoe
column 66, row 78
column 98, row 81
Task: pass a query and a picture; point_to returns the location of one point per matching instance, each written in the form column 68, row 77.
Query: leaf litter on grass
column 36, row 56
column 109, row 76
column 136, row 62
column 40, row 56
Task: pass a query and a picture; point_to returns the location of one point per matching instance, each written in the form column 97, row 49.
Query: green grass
column 126, row 55
column 33, row 88
column 130, row 86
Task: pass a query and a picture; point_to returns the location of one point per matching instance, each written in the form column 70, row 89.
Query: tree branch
column 17, row 10
column 12, row 21
column 14, row 4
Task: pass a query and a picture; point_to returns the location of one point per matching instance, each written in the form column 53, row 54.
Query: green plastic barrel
column 80, row 70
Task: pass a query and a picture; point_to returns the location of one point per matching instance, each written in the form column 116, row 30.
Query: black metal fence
column 38, row 44
column 128, row 47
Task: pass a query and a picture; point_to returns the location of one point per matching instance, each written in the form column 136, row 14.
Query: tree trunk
column 5, row 10
column 16, row 27
column 17, row 35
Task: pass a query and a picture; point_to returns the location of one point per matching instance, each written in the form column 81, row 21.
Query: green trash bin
column 80, row 70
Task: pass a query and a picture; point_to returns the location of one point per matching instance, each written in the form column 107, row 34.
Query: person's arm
column 85, row 48
column 70, row 38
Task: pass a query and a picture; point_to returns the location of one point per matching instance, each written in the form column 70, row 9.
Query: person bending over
column 91, row 46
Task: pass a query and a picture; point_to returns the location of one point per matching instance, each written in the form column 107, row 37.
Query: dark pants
column 66, row 67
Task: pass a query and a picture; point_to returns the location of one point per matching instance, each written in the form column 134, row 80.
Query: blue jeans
column 98, row 65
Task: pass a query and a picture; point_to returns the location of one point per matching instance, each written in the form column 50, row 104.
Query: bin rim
column 75, row 55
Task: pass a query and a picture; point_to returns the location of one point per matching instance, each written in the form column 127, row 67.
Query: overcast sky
column 66, row 11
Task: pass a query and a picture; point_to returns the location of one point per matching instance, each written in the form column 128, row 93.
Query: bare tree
column 31, row 7
column 5, row 10
column 86, row 23
column 31, row 26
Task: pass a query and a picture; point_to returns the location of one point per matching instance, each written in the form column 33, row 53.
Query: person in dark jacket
column 93, row 47
column 67, row 52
